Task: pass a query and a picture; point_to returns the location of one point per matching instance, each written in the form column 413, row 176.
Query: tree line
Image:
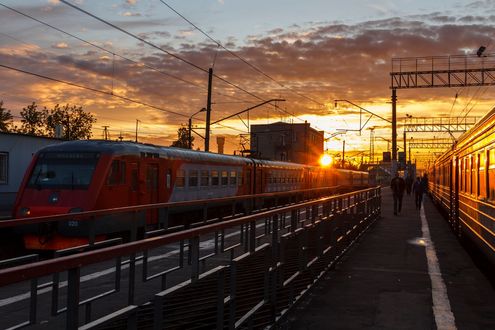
column 75, row 122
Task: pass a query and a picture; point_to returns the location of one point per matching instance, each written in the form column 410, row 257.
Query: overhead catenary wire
column 255, row 68
column 152, row 45
column 161, row 49
column 172, row 55
column 113, row 53
column 94, row 90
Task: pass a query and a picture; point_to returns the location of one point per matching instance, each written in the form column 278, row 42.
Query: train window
column 204, row 178
column 468, row 174
column 465, row 174
column 233, row 178
column 65, row 170
column 460, row 170
column 117, row 173
column 214, row 178
column 491, row 174
column 168, row 179
column 239, row 178
column 193, row 178
column 225, row 178
column 481, row 175
column 180, row 178
column 473, row 175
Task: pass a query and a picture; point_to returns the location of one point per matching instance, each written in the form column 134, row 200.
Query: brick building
column 297, row 143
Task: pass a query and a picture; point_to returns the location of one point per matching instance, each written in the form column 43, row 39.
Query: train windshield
column 64, row 170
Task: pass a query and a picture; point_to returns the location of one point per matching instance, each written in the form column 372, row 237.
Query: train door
column 455, row 193
column 133, row 180
column 258, row 180
column 248, row 183
column 151, row 190
column 168, row 182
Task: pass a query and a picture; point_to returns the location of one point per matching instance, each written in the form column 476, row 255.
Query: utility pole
column 372, row 144
column 410, row 160
column 189, row 130
column 137, row 122
column 105, row 132
column 189, row 127
column 394, row 125
column 343, row 153
column 208, row 111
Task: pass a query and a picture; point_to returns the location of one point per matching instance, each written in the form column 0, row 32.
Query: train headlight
column 24, row 211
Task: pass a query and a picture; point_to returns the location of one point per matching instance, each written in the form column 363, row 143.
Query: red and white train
column 88, row 175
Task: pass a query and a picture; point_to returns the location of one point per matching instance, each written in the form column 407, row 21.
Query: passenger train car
column 462, row 182
column 93, row 175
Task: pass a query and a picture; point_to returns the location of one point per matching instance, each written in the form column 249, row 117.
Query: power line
column 161, row 49
column 97, row 46
column 145, row 42
column 165, row 51
column 94, row 90
column 134, row 36
column 255, row 68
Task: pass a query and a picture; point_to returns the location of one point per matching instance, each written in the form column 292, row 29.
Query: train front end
column 59, row 181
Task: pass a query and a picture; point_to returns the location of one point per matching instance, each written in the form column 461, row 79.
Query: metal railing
column 237, row 205
column 244, row 272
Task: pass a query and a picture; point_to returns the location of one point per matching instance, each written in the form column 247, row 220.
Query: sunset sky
column 306, row 52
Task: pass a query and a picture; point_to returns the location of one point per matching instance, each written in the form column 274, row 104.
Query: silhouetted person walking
column 409, row 183
column 424, row 183
column 398, row 185
column 418, row 190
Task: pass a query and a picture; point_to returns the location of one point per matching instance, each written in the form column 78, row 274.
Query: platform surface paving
column 384, row 282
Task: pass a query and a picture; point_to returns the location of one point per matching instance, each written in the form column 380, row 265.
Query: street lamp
column 190, row 126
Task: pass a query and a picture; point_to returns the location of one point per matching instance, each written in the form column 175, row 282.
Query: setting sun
column 326, row 160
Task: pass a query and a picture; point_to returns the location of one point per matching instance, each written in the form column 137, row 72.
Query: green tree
column 5, row 118
column 75, row 122
column 33, row 120
column 182, row 139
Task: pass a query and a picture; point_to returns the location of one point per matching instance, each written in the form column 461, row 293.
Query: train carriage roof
column 137, row 149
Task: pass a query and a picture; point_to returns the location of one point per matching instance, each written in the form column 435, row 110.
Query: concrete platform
column 386, row 280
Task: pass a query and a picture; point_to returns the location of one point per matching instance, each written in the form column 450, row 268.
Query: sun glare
column 326, row 160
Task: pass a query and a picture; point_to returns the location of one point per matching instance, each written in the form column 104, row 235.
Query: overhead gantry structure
column 438, row 72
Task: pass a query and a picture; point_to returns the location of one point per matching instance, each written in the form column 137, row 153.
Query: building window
column 4, row 167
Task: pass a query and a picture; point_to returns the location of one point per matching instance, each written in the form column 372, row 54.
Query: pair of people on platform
column 398, row 186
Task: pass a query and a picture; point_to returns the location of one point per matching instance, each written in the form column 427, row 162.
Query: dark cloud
column 322, row 62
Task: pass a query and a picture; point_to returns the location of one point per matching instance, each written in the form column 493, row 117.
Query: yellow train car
column 462, row 182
